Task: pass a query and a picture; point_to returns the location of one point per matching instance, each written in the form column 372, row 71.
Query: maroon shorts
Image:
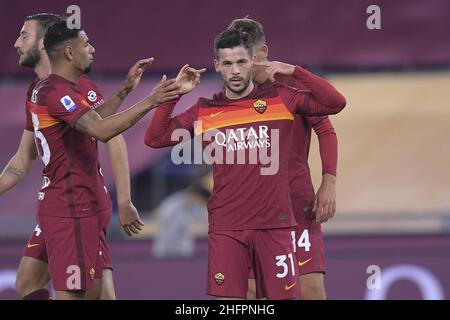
column 269, row 252
column 35, row 247
column 308, row 238
column 77, row 250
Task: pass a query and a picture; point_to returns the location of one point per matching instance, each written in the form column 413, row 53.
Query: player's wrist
column 123, row 92
column 124, row 202
column 151, row 101
column 3, row 188
column 328, row 178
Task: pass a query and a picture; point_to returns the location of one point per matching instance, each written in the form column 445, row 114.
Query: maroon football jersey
column 73, row 185
column 248, row 193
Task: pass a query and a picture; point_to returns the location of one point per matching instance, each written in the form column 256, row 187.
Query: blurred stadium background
column 393, row 189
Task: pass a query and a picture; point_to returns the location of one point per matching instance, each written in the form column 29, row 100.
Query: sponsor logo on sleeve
column 68, row 103
column 92, row 96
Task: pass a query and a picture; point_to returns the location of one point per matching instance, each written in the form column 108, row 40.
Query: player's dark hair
column 44, row 21
column 232, row 38
column 58, row 34
column 252, row 27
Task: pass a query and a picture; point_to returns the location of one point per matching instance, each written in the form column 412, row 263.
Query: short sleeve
column 90, row 92
column 29, row 121
column 66, row 104
column 187, row 119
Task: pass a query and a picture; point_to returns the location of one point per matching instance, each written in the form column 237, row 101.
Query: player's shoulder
column 86, row 82
column 203, row 102
column 218, row 99
column 268, row 89
column 54, row 86
column 31, row 88
column 33, row 84
column 90, row 90
column 44, row 87
column 53, row 82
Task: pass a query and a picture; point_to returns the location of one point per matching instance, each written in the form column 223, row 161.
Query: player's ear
column 41, row 44
column 68, row 52
column 265, row 51
column 216, row 65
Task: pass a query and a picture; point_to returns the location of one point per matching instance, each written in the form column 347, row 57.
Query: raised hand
column 274, row 67
column 164, row 91
column 135, row 73
column 188, row 78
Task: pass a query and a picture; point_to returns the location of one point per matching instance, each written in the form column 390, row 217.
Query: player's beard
column 88, row 68
column 31, row 58
column 246, row 84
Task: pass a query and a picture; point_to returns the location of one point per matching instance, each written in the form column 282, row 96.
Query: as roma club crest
column 219, row 277
column 260, row 106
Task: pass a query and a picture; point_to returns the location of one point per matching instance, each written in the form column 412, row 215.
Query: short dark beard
column 32, row 58
column 246, row 84
column 87, row 69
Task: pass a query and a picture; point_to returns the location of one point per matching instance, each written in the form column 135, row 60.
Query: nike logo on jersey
column 300, row 264
column 31, row 245
column 287, row 288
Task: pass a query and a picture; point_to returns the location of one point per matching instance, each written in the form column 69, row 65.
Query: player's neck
column 66, row 72
column 42, row 68
column 261, row 76
column 234, row 96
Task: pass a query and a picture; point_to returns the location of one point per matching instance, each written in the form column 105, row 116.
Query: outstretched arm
column 109, row 127
column 20, row 163
column 110, row 106
column 159, row 133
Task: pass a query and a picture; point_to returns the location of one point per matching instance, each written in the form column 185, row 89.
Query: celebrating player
column 250, row 215
column 33, row 273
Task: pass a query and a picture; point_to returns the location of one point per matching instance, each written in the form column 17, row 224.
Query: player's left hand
column 188, row 78
column 274, row 67
column 135, row 73
column 325, row 202
column 129, row 219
